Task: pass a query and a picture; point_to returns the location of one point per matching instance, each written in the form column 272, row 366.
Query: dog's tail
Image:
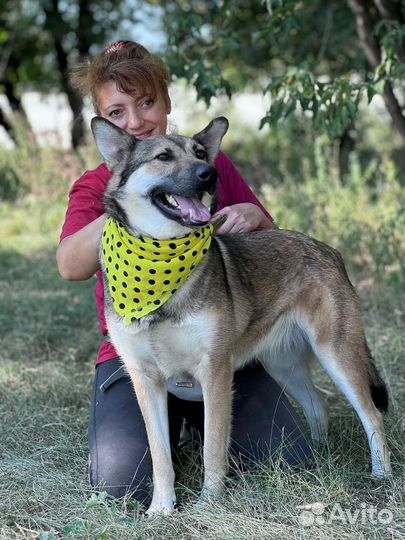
column 378, row 388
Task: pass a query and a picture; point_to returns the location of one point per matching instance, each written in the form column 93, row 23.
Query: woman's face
column 137, row 114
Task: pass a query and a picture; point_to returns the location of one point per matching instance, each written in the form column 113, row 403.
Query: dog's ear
column 211, row 137
column 112, row 141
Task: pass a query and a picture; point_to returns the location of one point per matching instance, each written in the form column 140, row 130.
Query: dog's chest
column 177, row 350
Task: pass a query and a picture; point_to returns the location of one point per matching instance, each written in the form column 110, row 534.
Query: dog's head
column 158, row 183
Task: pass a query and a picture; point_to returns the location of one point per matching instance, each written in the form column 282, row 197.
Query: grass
column 48, row 345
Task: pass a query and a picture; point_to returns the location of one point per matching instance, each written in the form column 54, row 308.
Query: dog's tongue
column 193, row 209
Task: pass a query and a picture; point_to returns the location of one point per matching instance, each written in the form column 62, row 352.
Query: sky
column 149, row 30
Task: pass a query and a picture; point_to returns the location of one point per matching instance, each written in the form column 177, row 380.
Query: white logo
column 316, row 514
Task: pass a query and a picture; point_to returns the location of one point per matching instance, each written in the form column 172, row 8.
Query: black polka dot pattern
column 144, row 273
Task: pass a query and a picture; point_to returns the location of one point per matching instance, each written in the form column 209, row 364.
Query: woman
column 129, row 87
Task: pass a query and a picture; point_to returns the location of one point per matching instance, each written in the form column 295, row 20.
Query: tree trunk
column 18, row 113
column 7, row 126
column 74, row 99
column 13, row 99
column 54, row 25
column 365, row 31
column 391, row 11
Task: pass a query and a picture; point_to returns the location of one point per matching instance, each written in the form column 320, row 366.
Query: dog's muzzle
column 208, row 177
column 184, row 202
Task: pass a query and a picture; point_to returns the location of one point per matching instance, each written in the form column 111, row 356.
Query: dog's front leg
column 217, row 392
column 152, row 398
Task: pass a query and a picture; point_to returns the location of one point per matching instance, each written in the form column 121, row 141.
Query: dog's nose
column 206, row 173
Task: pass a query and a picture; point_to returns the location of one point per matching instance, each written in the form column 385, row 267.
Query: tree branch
column 391, row 11
column 365, row 31
column 372, row 50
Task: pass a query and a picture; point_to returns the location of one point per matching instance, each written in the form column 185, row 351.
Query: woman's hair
column 132, row 67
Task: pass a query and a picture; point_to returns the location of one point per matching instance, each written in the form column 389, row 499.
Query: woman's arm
column 77, row 254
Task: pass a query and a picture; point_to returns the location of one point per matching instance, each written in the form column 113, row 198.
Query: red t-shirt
column 85, row 205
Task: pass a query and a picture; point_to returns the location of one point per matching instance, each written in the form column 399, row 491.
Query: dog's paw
column 162, row 506
column 381, row 467
column 157, row 511
column 381, row 475
column 209, row 496
column 203, row 502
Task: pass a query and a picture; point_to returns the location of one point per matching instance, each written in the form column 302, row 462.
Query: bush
column 34, row 187
column 364, row 221
column 352, row 200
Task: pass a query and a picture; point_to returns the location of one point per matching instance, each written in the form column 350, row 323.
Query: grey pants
column 264, row 425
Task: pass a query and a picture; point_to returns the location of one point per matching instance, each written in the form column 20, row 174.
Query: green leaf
column 399, row 72
column 96, row 499
column 353, row 108
column 370, row 93
column 379, row 87
column 309, row 92
column 305, row 102
column 74, row 529
column 276, row 111
column 265, row 120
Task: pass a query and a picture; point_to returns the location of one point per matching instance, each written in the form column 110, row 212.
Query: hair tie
column 116, row 46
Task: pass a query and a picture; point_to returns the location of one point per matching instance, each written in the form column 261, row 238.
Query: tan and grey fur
column 278, row 296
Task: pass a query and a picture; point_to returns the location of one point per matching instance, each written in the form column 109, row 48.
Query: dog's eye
column 164, row 156
column 200, row 154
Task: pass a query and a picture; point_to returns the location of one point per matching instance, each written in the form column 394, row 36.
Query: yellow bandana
column 143, row 273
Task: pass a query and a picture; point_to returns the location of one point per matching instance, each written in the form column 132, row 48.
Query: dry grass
column 48, row 345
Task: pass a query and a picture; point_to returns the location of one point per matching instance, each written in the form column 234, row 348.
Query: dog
column 278, row 296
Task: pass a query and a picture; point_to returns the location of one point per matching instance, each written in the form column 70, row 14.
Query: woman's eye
column 114, row 113
column 200, row 154
column 148, row 103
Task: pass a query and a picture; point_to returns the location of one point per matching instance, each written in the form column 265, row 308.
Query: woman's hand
column 243, row 217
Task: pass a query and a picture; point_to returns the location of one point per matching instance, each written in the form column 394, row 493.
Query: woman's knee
column 265, row 425
column 125, row 471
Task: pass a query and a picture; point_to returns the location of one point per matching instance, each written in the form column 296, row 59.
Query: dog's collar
column 143, row 273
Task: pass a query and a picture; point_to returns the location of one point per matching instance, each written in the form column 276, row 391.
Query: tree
column 42, row 38
column 381, row 30
column 23, row 57
column 321, row 56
